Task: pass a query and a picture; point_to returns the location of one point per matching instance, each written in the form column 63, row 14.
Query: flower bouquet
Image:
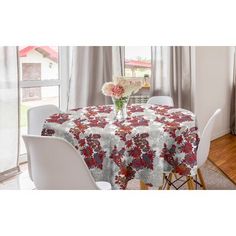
column 120, row 90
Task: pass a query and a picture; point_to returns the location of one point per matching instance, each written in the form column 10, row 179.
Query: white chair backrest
column 161, row 100
column 37, row 116
column 55, row 164
column 205, row 140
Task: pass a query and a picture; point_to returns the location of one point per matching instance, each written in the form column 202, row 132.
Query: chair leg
column 175, row 175
column 195, row 184
column 190, row 183
column 201, row 179
column 170, row 179
column 143, row 186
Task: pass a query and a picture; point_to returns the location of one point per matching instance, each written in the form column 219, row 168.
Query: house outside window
column 138, row 65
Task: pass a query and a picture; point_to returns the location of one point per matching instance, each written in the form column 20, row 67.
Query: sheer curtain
column 233, row 101
column 9, row 110
column 171, row 74
column 91, row 67
column 118, row 60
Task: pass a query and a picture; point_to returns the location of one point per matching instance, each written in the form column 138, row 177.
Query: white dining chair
column 202, row 154
column 55, row 164
column 37, row 116
column 161, row 100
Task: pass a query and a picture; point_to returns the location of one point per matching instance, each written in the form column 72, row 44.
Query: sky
column 132, row 52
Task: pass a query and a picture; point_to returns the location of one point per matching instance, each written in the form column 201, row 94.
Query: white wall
column 213, row 84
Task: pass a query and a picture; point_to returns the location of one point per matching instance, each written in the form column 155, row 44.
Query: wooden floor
column 223, row 155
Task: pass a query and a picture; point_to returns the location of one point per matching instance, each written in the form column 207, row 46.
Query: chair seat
column 103, row 185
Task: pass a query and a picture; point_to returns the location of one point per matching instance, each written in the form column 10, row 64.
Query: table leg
column 201, row 179
column 143, row 186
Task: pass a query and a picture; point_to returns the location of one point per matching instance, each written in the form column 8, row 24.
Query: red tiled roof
column 139, row 64
column 45, row 50
column 23, row 52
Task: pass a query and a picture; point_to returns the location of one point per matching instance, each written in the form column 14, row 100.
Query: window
column 138, row 65
column 39, row 81
column 138, row 62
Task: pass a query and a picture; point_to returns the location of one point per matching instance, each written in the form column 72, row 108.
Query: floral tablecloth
column 152, row 139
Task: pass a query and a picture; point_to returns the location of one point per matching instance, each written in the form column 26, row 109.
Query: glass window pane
column 32, row 97
column 38, row 63
column 137, row 61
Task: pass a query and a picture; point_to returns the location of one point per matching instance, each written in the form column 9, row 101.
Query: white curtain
column 9, row 109
column 91, row 68
column 171, row 74
column 118, row 60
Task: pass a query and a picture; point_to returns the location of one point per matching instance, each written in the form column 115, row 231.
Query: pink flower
column 107, row 89
column 117, row 91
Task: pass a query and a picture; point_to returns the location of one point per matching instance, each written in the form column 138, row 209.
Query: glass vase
column 120, row 107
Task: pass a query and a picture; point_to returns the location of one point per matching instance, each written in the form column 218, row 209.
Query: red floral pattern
column 130, row 148
column 58, row 118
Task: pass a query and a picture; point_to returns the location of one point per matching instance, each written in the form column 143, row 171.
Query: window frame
column 61, row 82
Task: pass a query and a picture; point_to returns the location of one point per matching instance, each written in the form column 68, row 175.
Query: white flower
column 130, row 86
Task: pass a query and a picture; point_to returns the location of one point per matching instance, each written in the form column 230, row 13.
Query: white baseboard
column 219, row 134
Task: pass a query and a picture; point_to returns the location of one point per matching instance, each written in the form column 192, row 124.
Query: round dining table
column 152, row 140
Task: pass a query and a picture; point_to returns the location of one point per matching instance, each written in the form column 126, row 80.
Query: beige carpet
column 214, row 178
